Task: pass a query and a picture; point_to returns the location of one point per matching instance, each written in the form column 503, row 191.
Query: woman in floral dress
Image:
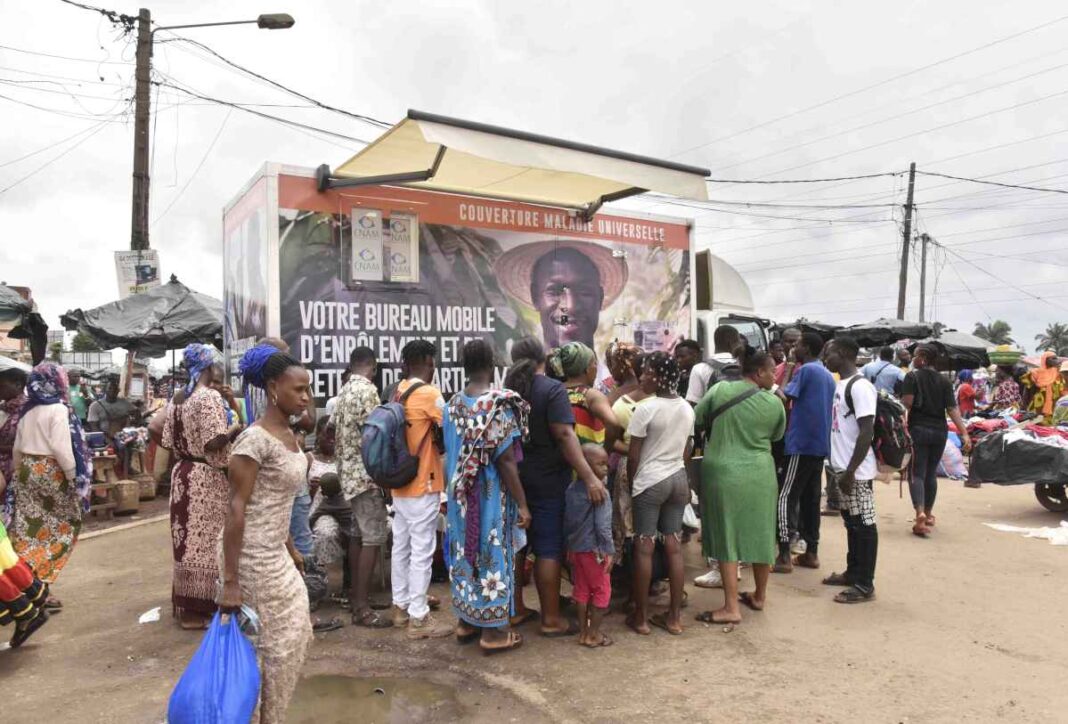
column 196, row 432
column 486, row 503
column 260, row 566
column 53, row 475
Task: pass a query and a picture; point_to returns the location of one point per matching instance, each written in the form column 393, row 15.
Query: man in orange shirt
column 415, row 506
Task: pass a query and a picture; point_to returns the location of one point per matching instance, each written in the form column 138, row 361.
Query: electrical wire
column 994, row 183
column 101, row 126
column 805, row 180
column 113, row 117
column 50, row 146
column 63, row 57
column 287, row 89
column 995, row 276
column 193, row 175
column 872, row 86
column 261, row 114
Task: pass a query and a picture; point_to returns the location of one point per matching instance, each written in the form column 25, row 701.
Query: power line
column 287, row 89
column 895, row 117
column 279, row 119
column 64, row 57
column 872, row 86
column 112, row 117
column 803, row 180
column 995, row 276
column 196, row 170
column 126, row 21
column 52, row 145
column 994, row 183
column 46, row 164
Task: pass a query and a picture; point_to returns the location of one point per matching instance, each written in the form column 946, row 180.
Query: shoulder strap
column 408, row 393
column 849, row 394
column 737, row 399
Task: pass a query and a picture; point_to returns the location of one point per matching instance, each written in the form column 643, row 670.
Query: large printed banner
column 245, row 275
column 386, row 266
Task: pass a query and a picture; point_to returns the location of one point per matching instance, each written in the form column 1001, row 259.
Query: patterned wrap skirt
column 48, row 516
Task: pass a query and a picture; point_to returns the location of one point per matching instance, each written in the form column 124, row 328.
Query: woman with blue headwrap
column 53, row 475
column 195, row 430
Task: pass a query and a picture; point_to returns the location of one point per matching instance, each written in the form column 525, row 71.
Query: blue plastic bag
column 221, row 684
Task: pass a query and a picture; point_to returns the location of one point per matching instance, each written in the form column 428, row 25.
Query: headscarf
column 965, row 376
column 1044, row 378
column 571, row 360
column 48, row 385
column 197, row 358
column 666, row 369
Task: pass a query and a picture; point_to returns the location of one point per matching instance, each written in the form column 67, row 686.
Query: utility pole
column 142, row 98
column 906, row 238
column 924, row 239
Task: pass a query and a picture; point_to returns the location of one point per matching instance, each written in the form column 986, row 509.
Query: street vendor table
column 104, row 479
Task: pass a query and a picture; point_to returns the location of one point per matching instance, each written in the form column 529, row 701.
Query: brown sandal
column 919, row 526
column 370, row 619
column 515, row 640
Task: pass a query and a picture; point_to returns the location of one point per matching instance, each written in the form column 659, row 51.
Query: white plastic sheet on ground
column 149, row 616
column 1056, row 536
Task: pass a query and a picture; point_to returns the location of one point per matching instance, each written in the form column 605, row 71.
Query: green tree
column 997, row 332
column 82, row 342
column 55, row 349
column 1055, row 339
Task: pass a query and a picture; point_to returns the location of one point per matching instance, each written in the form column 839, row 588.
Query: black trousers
column 928, row 444
column 802, row 484
column 862, row 536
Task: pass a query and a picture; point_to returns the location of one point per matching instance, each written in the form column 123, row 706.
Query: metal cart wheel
column 1053, row 498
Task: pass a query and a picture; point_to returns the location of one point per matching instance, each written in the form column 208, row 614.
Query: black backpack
column 892, row 443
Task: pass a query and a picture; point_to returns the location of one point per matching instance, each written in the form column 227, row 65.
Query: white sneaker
column 799, row 547
column 712, row 579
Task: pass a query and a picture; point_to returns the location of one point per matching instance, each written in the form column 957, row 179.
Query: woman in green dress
column 739, row 490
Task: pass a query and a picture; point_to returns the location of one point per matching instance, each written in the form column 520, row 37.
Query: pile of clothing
column 1022, row 456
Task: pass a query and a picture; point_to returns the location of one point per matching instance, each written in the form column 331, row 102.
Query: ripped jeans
column 659, row 508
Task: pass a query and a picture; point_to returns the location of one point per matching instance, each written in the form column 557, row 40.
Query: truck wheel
column 1053, row 498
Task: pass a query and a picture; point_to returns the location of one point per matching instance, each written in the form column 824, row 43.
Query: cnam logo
column 366, row 255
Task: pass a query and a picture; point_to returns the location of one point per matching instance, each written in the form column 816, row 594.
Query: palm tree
column 1055, row 339
column 997, row 332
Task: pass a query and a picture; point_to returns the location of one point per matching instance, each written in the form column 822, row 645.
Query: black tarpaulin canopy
column 826, row 331
column 28, row 323
column 166, row 317
column 959, row 350
column 885, row 331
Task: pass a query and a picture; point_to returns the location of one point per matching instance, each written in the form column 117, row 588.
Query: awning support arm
column 325, row 181
column 588, row 213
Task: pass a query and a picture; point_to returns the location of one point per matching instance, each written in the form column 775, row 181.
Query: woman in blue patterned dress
column 486, row 504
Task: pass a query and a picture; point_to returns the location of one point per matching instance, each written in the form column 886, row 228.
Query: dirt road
column 969, row 625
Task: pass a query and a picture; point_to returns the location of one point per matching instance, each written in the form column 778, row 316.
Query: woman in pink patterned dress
column 261, row 567
column 196, row 432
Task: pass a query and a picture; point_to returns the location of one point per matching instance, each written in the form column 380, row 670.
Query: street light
column 145, row 34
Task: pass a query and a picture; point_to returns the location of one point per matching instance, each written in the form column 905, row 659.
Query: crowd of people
column 589, row 466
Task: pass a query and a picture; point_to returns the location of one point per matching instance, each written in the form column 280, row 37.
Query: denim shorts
column 546, row 533
column 659, row 508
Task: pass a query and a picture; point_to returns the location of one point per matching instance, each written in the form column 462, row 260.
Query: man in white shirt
column 853, row 464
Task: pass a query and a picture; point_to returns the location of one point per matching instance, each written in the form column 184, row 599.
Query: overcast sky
column 785, row 90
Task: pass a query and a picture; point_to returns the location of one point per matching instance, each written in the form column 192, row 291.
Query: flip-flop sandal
column 800, row 561
column 660, row 621
column 710, row 617
column 323, row 626
column 746, row 599
column 515, row 640
column 433, row 602
column 632, row 627
column 606, row 640
column 571, row 630
column 529, row 615
column 837, row 579
column 53, row 605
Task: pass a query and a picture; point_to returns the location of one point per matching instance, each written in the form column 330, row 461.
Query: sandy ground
column 969, row 625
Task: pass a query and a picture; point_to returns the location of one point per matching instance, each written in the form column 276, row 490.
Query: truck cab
column 723, row 297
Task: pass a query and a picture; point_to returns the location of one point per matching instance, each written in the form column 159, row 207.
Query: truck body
column 379, row 266
column 723, row 297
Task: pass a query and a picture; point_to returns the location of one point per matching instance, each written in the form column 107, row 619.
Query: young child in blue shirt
column 590, row 550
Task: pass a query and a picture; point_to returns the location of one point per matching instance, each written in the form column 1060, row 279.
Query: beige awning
column 447, row 154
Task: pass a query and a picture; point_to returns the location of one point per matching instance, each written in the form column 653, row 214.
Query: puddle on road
column 385, row 700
